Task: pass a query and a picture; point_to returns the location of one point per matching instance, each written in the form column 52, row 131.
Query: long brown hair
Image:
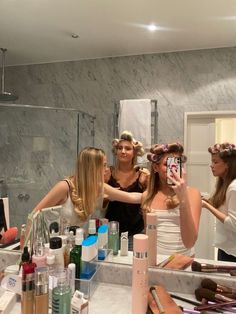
column 227, row 152
column 156, row 155
column 87, row 184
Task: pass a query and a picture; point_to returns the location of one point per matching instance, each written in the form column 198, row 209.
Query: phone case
column 173, row 163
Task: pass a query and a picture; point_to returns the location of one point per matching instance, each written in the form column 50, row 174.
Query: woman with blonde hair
column 177, row 206
column 222, row 204
column 78, row 194
column 127, row 176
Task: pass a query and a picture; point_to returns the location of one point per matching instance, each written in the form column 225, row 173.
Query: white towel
column 135, row 116
column 6, row 210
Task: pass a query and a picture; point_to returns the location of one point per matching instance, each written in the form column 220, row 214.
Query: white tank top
column 169, row 239
column 68, row 213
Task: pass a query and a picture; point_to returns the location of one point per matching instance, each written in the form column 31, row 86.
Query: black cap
column 55, row 243
column 73, row 228
column 25, row 257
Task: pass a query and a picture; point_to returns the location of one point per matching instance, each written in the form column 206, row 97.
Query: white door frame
column 205, row 114
column 188, row 117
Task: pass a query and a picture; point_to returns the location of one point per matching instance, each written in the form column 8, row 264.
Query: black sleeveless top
column 129, row 216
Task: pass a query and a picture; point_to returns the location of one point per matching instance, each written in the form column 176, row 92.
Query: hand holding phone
column 173, row 163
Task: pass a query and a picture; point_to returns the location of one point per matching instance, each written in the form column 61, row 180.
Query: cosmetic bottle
column 71, row 238
column 92, row 227
column 113, row 236
column 88, row 257
column 151, row 232
column 124, row 243
column 22, row 236
column 75, row 253
column 71, row 277
column 102, row 242
column 140, row 274
column 41, row 290
column 39, row 257
column 25, row 257
column 55, row 245
column 61, row 296
column 28, row 287
column 78, row 303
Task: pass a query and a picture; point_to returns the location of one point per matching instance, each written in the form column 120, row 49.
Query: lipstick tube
column 140, row 274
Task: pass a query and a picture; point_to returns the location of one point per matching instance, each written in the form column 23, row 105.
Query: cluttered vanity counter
column 111, row 291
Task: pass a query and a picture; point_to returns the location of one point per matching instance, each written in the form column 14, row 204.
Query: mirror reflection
column 37, row 137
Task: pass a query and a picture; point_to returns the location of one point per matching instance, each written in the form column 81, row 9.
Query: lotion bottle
column 151, row 232
column 140, row 274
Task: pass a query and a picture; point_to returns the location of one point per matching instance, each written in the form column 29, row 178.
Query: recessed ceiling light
column 74, row 35
column 152, row 27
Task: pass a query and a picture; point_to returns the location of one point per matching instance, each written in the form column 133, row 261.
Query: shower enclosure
column 38, row 147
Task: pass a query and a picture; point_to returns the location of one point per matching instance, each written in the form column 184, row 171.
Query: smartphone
column 173, row 163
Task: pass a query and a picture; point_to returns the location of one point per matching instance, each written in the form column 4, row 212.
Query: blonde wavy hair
column 86, row 186
column 128, row 136
column 227, row 152
column 155, row 156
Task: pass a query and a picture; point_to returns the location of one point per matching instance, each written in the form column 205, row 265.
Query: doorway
column 201, row 130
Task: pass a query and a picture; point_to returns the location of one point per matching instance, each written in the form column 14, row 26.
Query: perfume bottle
column 61, row 296
column 113, row 236
column 151, row 232
column 75, row 253
column 140, row 274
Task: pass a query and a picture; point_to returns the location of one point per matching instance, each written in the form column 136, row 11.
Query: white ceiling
column 39, row 31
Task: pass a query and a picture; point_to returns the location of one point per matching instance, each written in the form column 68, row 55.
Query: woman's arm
column 216, row 212
column 56, row 196
column 190, row 212
column 229, row 220
column 116, row 195
column 190, row 209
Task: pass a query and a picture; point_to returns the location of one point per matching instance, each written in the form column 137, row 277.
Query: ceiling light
column 74, row 35
column 152, row 27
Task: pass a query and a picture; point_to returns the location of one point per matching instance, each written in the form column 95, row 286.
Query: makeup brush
column 214, row 306
column 212, row 285
column 157, row 300
column 209, row 268
column 203, row 293
column 174, row 296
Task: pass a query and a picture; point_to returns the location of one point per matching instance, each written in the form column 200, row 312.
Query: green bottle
column 61, row 297
column 75, row 253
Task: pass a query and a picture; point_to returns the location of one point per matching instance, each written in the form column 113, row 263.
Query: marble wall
column 38, row 147
column 201, row 80
column 180, row 81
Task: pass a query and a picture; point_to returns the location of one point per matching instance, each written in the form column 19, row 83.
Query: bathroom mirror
column 38, row 147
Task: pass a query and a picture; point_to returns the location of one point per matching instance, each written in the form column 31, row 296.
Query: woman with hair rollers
column 222, row 203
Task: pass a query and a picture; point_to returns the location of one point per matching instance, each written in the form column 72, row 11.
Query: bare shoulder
column 61, row 186
column 194, row 194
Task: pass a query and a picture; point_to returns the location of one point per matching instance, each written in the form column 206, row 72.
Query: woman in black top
column 127, row 176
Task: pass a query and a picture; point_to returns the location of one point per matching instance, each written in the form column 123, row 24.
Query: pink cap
column 151, row 218
column 140, row 243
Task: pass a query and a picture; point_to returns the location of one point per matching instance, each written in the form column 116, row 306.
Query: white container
column 57, row 250
column 140, row 274
column 151, row 232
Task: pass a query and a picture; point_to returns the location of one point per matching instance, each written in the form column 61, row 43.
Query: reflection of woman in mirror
column 127, row 176
column 177, row 206
column 79, row 193
column 223, row 202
